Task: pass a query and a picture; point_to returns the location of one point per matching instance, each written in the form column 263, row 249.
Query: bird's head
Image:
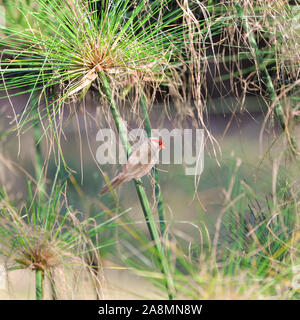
column 159, row 142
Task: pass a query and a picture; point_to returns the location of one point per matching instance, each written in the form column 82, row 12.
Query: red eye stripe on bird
column 136, row 166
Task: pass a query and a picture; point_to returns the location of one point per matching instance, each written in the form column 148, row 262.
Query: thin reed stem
column 52, row 285
column 39, row 174
column 38, row 159
column 158, row 194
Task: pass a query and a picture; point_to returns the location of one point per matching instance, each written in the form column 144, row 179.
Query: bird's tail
column 112, row 184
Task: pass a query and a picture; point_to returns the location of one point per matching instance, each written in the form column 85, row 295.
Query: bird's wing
column 140, row 161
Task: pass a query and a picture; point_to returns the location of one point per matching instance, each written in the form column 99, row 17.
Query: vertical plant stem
column 158, row 194
column 153, row 231
column 39, row 176
column 258, row 56
column 39, row 284
column 38, row 158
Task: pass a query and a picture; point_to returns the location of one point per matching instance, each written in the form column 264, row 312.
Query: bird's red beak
column 161, row 145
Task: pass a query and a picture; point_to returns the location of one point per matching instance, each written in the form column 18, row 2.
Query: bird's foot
column 139, row 182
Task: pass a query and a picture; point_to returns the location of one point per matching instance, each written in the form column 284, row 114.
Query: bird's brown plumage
column 139, row 163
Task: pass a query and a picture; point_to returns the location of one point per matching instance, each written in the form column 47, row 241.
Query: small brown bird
column 139, row 163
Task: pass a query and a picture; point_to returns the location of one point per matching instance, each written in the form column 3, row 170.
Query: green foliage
column 72, row 42
column 259, row 235
column 251, row 255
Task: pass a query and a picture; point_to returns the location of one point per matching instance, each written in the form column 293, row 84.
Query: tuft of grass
column 47, row 235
